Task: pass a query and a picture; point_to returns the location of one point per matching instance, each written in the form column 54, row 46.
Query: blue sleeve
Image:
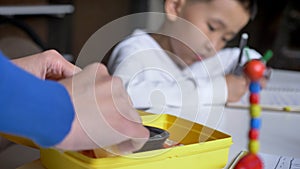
column 40, row 110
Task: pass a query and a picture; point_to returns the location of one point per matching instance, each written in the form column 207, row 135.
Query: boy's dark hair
column 251, row 6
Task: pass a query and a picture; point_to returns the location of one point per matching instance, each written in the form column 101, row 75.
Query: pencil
column 243, row 43
column 238, row 69
column 292, row 109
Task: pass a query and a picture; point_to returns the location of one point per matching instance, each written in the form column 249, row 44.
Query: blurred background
column 276, row 26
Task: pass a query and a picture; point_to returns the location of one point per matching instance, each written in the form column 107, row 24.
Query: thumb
column 130, row 146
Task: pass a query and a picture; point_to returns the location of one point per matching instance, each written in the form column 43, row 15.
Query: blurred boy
column 181, row 60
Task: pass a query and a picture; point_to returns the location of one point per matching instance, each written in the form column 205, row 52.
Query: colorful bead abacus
column 254, row 69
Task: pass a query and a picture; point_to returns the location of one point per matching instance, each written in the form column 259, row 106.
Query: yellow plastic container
column 202, row 147
column 20, row 140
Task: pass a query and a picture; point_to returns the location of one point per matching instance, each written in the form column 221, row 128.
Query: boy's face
column 218, row 20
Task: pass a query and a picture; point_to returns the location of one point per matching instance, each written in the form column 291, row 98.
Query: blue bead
column 255, row 123
column 254, row 87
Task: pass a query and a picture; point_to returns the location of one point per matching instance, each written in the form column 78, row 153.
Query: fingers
column 128, row 120
column 47, row 65
column 125, row 147
column 130, row 146
column 122, row 101
column 57, row 66
column 104, row 112
column 102, row 70
column 120, row 98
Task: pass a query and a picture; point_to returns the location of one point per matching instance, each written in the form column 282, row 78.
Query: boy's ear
column 173, row 8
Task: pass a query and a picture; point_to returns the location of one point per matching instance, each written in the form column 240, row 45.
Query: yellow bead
column 287, row 108
column 255, row 110
column 253, row 146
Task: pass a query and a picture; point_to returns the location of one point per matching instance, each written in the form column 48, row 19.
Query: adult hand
column 47, row 65
column 104, row 114
column 237, row 86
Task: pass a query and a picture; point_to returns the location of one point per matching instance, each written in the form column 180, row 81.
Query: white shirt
column 153, row 81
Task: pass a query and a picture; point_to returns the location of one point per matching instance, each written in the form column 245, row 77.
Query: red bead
column 253, row 134
column 254, row 98
column 249, row 161
column 254, row 69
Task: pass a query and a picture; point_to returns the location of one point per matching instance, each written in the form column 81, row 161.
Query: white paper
column 279, row 162
column 271, row 161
